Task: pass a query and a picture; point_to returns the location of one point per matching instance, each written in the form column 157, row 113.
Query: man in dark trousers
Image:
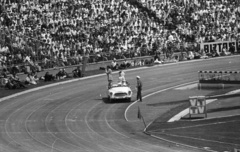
column 139, row 89
column 109, row 76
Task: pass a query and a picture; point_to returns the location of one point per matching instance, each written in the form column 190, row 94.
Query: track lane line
column 89, row 127
column 105, row 118
column 26, row 121
column 184, row 145
column 45, row 121
column 66, row 123
column 193, row 126
column 9, row 117
column 207, row 140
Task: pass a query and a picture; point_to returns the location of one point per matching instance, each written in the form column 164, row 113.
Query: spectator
column 225, row 52
column 16, row 82
column 203, row 54
column 61, row 74
column 125, row 64
column 114, row 64
column 30, row 79
column 10, row 84
column 190, row 55
column 4, row 80
column 231, row 49
column 77, row 72
column 157, row 61
column 5, row 72
column 48, row 77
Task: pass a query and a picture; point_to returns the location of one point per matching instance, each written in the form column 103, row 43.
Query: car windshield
column 118, row 85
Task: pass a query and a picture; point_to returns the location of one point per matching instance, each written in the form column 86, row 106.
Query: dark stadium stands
column 46, row 34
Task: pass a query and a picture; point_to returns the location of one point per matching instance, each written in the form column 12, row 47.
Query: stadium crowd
column 48, row 33
column 199, row 20
column 61, row 29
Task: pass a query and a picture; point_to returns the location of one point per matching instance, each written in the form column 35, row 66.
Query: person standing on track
column 109, row 76
column 121, row 78
column 139, row 89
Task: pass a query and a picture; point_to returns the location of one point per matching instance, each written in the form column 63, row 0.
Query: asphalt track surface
column 75, row 117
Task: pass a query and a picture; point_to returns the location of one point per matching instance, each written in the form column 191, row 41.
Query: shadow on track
column 107, row 101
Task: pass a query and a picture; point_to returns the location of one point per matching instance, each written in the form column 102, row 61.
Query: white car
column 119, row 92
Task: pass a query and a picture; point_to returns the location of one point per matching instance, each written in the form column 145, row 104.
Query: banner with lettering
column 211, row 46
column 197, row 105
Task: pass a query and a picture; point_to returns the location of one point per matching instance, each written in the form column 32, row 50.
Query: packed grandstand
column 56, row 33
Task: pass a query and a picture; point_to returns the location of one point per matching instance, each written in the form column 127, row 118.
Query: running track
column 73, row 117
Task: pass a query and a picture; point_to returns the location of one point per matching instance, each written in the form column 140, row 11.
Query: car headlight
column 111, row 93
column 129, row 92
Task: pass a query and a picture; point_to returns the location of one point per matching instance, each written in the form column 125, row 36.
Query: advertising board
column 211, row 46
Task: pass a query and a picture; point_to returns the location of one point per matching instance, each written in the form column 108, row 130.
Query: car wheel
column 109, row 99
column 129, row 100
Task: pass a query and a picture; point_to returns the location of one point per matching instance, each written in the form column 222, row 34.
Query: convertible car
column 119, row 92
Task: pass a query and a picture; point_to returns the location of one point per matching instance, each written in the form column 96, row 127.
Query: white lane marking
column 30, row 134
column 207, row 140
column 185, row 112
column 184, row 145
column 98, row 133
column 53, row 134
column 191, row 86
column 233, row 92
column 66, row 120
column 25, row 124
column 45, row 122
column 89, row 127
column 105, row 118
column 9, row 117
column 151, row 94
column 218, row 117
column 200, row 125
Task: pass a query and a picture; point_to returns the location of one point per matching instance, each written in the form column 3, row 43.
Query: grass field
column 217, row 134
column 221, row 134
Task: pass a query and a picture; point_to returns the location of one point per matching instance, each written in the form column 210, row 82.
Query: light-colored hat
column 138, row 77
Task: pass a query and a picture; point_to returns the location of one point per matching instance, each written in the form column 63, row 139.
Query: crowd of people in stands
column 49, row 33
column 62, row 29
column 199, row 20
column 12, row 81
